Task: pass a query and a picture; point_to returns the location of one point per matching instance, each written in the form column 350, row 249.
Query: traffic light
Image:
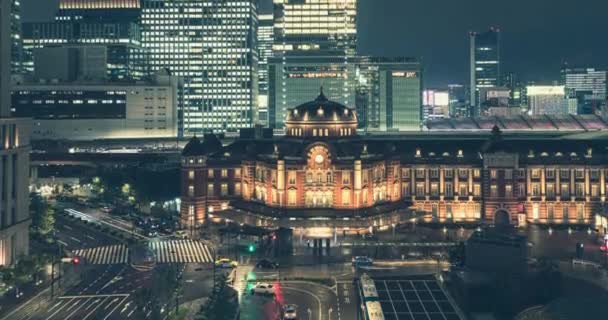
column 75, row 260
column 251, row 248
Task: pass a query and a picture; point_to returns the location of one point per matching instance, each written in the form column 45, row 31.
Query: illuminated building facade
column 586, row 86
column 99, row 110
column 110, row 24
column 459, row 102
column 172, row 31
column 14, row 156
column 315, row 27
column 323, row 174
column 294, row 81
column 389, row 93
column 484, row 64
column 16, row 38
column 230, row 65
column 315, row 45
column 547, row 100
column 265, row 42
column 213, row 45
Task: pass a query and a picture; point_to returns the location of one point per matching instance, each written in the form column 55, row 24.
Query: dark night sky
column 537, row 35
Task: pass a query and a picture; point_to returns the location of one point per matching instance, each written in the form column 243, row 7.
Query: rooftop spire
column 321, row 96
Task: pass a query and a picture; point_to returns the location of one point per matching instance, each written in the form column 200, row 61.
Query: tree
column 43, row 216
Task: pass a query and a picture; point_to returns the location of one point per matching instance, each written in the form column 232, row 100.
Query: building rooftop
column 522, row 123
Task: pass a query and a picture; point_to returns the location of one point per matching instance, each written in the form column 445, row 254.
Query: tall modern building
column 389, row 93
column 294, row 80
column 459, row 102
column 14, row 156
column 230, row 65
column 172, row 31
column 213, row 45
column 315, row 45
column 111, row 25
column 547, row 100
column 315, row 27
column 485, row 63
column 585, row 86
column 16, row 39
column 265, row 42
column 512, row 82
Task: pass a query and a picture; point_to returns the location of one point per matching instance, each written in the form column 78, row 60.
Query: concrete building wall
column 151, row 112
column 14, row 158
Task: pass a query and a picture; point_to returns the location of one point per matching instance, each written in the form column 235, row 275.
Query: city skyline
column 440, row 37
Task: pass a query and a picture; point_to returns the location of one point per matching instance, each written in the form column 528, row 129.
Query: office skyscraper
column 585, row 86
column 16, row 39
column 293, row 81
column 14, row 156
column 111, row 29
column 265, row 42
column 315, row 27
column 315, row 45
column 213, row 45
column 389, row 93
column 484, row 64
column 172, row 31
column 547, row 100
column 230, row 65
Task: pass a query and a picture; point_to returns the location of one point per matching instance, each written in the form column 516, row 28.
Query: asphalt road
column 104, row 292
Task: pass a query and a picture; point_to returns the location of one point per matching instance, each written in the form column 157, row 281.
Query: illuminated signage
column 317, row 75
column 546, row 90
column 405, row 74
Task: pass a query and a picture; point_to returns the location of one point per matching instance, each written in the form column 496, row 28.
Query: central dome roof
column 321, row 110
column 321, row 118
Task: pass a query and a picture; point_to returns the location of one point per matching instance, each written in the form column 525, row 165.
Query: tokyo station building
column 323, row 174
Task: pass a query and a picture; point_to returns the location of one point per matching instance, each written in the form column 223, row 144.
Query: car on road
column 361, row 261
column 290, row 312
column 181, row 234
column 266, row 264
column 106, row 209
column 226, row 263
column 151, row 233
column 263, row 288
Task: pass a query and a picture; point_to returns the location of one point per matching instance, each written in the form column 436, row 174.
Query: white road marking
column 310, row 294
column 118, row 304
column 75, row 310
column 55, row 306
column 93, row 310
column 75, row 239
column 58, row 309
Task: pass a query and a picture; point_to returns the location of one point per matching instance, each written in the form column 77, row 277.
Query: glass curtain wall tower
column 111, row 25
column 172, row 31
column 485, row 63
column 212, row 45
column 230, row 65
column 315, row 45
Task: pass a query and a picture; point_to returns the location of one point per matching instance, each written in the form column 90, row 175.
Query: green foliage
column 43, row 216
column 222, row 304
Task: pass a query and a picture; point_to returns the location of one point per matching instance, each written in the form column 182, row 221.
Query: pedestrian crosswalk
column 164, row 251
column 183, row 251
column 114, row 254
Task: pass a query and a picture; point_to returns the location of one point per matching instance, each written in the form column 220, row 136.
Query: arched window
column 319, row 178
column 327, row 132
column 314, row 132
column 329, row 177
